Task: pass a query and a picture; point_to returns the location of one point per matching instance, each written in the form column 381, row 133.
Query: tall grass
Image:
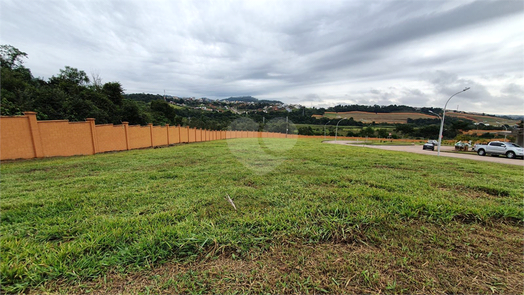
column 77, row 218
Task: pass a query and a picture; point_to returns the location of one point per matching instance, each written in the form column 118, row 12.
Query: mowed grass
column 329, row 218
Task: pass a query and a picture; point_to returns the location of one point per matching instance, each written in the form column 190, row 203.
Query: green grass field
column 328, row 219
column 343, row 130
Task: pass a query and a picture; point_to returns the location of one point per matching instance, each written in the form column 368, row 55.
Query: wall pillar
column 38, row 148
column 94, row 139
column 167, row 127
column 151, row 133
column 126, row 133
column 179, row 135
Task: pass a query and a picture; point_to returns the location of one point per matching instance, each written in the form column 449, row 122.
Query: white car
column 510, row 150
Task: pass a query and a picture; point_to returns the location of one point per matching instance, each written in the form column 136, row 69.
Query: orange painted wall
column 159, row 135
column 139, row 137
column 15, row 138
column 25, row 137
column 111, row 138
column 184, row 134
column 173, row 134
column 199, row 135
column 191, row 135
column 63, row 138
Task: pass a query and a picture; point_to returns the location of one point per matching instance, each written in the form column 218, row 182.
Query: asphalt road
column 444, row 151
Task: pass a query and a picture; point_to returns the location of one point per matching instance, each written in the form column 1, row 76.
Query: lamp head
column 467, row 88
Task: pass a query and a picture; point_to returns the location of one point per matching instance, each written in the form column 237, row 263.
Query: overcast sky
column 315, row 53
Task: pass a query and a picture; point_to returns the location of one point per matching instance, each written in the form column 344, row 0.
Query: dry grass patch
column 406, row 258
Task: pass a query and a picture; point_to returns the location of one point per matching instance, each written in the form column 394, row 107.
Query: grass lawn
column 329, row 218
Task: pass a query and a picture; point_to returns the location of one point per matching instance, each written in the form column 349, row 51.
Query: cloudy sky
column 315, row 53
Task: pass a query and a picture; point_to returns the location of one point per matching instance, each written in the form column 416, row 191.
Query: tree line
column 69, row 95
column 72, row 95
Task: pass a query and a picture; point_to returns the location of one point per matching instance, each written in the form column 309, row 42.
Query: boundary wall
column 24, row 137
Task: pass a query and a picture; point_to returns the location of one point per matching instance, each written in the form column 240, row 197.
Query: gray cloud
column 513, row 89
column 403, row 52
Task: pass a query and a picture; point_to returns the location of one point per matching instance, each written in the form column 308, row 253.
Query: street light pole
column 336, row 129
column 325, row 129
column 504, row 125
column 436, row 115
column 443, row 118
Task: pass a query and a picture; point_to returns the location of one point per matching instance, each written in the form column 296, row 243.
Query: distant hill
column 402, row 117
column 251, row 99
column 368, row 117
column 483, row 118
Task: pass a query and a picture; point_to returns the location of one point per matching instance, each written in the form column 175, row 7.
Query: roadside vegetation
column 329, row 219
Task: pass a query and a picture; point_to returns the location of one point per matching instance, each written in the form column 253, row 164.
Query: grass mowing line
column 73, row 219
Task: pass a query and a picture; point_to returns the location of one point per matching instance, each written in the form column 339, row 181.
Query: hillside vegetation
column 403, row 117
column 329, row 218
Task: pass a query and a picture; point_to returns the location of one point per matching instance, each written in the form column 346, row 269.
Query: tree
column 383, row 133
column 162, row 113
column 461, row 125
column 11, row 57
column 405, row 129
column 114, row 92
column 430, row 131
column 72, row 76
column 16, row 82
column 96, row 80
column 134, row 112
column 367, row 132
column 306, row 130
column 351, row 134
